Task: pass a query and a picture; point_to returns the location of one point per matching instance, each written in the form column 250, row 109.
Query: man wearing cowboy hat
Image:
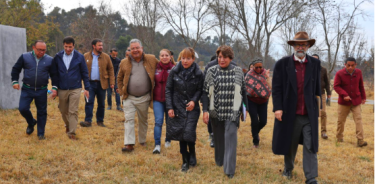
column 295, row 87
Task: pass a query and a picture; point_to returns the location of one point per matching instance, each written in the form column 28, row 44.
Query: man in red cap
column 296, row 85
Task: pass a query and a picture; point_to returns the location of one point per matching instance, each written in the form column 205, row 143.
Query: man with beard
column 100, row 70
column 296, row 85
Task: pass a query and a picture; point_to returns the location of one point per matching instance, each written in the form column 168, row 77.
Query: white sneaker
column 156, row 149
column 167, row 144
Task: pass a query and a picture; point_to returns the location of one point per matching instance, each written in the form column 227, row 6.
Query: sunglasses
column 258, row 67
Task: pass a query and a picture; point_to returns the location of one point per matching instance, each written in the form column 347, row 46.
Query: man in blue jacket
column 36, row 67
column 71, row 70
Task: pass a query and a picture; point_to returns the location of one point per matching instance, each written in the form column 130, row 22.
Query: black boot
column 193, row 159
column 185, row 162
column 212, row 143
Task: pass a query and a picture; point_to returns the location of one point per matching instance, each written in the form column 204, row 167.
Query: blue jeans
column 109, row 97
column 40, row 98
column 160, row 112
column 95, row 90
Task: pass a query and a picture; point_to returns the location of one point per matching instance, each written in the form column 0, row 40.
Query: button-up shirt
column 95, row 67
column 300, row 74
column 67, row 59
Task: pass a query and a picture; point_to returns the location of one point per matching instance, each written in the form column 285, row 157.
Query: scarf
column 165, row 68
column 256, row 84
column 187, row 72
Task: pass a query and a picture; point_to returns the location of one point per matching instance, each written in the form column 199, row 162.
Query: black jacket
column 178, row 93
column 284, row 97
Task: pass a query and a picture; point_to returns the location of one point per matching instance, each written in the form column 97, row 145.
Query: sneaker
column 119, row 108
column 85, row 124
column 361, row 143
column 156, row 149
column 324, row 136
column 287, row 174
column 109, row 107
column 167, row 144
column 41, row 137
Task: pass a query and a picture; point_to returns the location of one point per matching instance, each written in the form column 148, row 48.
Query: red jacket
column 159, row 89
column 349, row 85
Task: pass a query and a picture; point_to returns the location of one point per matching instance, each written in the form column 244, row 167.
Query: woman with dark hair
column 223, row 95
column 161, row 75
column 182, row 93
column 258, row 88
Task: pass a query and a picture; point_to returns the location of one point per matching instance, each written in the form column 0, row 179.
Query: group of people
column 174, row 92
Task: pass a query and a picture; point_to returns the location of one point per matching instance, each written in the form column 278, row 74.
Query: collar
column 33, row 53
column 94, row 54
column 303, row 60
column 71, row 54
column 350, row 73
column 132, row 59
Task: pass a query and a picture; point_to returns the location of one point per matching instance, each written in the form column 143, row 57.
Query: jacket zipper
column 36, row 72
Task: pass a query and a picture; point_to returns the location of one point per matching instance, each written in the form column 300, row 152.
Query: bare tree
column 335, row 21
column 189, row 19
column 220, row 9
column 354, row 44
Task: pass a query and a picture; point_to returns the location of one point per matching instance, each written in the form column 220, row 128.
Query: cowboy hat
column 301, row 37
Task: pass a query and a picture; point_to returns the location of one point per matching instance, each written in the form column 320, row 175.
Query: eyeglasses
column 258, row 67
column 41, row 50
column 128, row 50
column 301, row 45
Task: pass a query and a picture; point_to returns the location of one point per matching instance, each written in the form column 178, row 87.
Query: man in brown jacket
column 325, row 87
column 100, row 69
column 135, row 83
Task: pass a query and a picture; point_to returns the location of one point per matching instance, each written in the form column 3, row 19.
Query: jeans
column 109, row 98
column 40, row 98
column 258, row 115
column 160, row 112
column 95, row 90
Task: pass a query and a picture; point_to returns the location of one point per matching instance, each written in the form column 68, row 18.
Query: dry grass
column 97, row 158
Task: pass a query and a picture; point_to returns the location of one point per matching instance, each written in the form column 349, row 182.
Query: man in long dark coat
column 296, row 85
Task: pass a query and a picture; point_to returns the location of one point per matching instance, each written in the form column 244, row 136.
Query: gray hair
column 135, row 41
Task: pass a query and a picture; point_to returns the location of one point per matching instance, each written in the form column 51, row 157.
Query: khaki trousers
column 323, row 115
column 68, row 105
column 140, row 105
column 343, row 111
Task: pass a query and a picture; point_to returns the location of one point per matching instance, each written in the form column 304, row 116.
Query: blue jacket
column 72, row 78
column 35, row 75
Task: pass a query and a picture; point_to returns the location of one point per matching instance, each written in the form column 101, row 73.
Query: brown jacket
column 325, row 84
column 105, row 68
column 125, row 69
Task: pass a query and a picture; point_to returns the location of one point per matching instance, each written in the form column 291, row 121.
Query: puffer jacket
column 178, row 93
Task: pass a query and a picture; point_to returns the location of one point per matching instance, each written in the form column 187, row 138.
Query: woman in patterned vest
column 224, row 94
column 258, row 88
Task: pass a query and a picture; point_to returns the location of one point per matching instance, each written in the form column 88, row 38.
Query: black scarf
column 187, row 72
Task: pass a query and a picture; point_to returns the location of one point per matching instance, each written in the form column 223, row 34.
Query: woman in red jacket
column 161, row 74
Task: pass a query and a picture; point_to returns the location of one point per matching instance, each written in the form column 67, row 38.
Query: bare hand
column 54, row 94
column 16, row 86
column 206, row 117
column 87, row 94
column 112, row 86
column 241, row 115
column 171, row 113
column 278, row 115
column 329, row 96
column 363, row 101
column 190, row 106
column 268, row 73
column 347, row 98
column 117, row 91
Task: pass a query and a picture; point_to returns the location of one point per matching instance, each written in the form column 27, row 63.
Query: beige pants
column 140, row 105
column 323, row 115
column 68, row 105
column 343, row 112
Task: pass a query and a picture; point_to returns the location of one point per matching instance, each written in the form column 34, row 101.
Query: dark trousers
column 109, row 98
column 302, row 127
column 95, row 90
column 40, row 99
column 184, row 146
column 225, row 138
column 258, row 115
column 209, row 127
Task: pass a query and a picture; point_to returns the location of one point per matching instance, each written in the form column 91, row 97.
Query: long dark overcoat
column 179, row 92
column 284, row 96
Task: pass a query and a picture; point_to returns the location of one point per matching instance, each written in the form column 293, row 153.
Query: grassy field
column 97, row 158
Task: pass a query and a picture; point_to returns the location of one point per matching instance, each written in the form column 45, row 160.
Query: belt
column 94, row 80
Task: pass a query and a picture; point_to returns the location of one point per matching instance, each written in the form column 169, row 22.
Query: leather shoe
column 324, row 136
column 73, row 137
column 143, row 144
column 66, row 129
column 100, row 123
column 30, row 129
column 127, row 148
column 119, row 108
column 85, row 124
column 41, row 137
column 361, row 143
column 230, row 176
column 287, row 174
column 109, row 107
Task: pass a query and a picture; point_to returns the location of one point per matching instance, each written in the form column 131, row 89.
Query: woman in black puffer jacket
column 182, row 93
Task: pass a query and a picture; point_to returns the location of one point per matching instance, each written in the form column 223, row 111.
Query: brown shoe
column 66, row 129
column 324, row 136
column 101, row 124
column 128, row 148
column 361, row 143
column 143, row 144
column 73, row 137
column 85, row 124
column 340, row 140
